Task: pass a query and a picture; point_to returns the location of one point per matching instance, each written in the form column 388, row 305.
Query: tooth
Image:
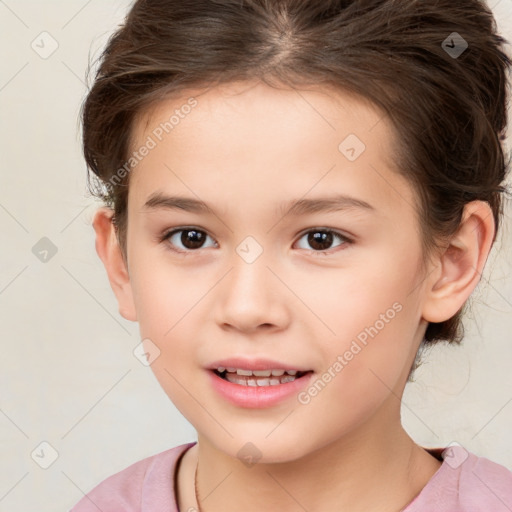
column 291, row 372
column 232, row 370
column 277, row 373
column 220, row 369
column 234, row 379
column 246, row 373
column 242, row 380
column 262, row 373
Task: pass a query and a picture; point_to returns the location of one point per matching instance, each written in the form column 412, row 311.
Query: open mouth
column 259, row 377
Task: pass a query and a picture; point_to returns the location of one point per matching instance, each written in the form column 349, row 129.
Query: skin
column 244, row 149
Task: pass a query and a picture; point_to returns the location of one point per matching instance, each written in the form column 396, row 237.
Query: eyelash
column 164, row 238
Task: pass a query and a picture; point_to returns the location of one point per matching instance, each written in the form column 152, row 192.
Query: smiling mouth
column 259, row 377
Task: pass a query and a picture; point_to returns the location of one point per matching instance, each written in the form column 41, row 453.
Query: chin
column 254, row 448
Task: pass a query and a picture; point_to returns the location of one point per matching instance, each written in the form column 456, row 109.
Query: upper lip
column 259, row 363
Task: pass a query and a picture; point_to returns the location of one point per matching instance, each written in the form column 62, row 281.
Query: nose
column 251, row 298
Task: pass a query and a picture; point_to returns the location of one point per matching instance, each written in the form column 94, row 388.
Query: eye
column 321, row 239
column 189, row 238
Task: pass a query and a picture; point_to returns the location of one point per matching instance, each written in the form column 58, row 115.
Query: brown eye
column 321, row 240
column 186, row 239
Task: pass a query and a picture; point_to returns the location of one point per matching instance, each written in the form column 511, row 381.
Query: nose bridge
column 250, row 294
column 249, row 277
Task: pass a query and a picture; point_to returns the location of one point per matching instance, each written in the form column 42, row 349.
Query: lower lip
column 257, row 397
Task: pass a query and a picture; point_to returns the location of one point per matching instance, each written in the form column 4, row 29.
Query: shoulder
column 465, row 482
column 145, row 485
column 485, row 483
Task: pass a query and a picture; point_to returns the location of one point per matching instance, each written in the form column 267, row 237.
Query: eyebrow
column 297, row 207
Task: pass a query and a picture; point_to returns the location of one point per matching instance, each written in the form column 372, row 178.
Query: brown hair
column 446, row 101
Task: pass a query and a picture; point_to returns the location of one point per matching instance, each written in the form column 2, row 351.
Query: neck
column 369, row 469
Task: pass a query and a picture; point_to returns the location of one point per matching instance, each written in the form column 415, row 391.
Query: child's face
column 247, row 151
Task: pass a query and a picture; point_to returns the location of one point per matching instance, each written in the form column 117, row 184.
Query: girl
column 299, row 196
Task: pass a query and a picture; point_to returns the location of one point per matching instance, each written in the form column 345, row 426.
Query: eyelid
column 347, row 237
column 176, row 229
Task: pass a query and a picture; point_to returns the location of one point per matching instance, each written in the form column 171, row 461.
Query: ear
column 109, row 251
column 457, row 270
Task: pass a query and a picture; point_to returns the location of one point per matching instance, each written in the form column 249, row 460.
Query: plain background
column 68, row 374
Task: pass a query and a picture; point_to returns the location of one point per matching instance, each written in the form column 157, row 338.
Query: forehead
column 244, row 134
column 261, row 104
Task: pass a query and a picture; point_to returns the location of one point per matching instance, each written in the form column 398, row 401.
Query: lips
column 258, row 382
column 260, row 393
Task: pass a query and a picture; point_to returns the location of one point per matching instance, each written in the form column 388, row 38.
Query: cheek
column 166, row 317
column 162, row 296
column 373, row 318
column 361, row 372
column 348, row 300
column 170, row 301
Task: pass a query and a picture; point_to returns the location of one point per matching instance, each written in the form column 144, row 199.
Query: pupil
column 320, row 237
column 191, row 238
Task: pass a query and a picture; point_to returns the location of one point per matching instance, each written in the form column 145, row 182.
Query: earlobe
column 460, row 265
column 109, row 251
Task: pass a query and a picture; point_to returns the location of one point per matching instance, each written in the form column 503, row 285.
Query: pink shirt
column 463, row 483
